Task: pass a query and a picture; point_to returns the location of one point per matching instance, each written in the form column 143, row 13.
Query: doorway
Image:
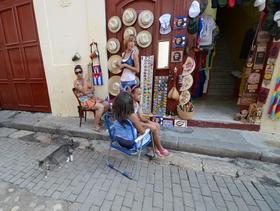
column 232, row 46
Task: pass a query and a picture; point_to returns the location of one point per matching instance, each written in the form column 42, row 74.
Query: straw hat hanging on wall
column 144, row 39
column 113, row 45
column 145, row 19
column 129, row 17
column 114, row 85
column 112, row 64
column 114, row 24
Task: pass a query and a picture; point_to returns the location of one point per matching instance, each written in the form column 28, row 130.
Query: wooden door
column 22, row 78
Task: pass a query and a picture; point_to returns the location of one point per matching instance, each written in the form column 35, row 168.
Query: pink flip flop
column 158, row 153
column 164, row 152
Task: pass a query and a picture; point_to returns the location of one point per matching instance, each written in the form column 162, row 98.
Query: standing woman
column 129, row 64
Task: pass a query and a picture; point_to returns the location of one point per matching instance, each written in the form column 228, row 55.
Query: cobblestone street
column 88, row 184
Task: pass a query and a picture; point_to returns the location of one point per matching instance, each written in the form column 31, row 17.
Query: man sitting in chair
column 87, row 99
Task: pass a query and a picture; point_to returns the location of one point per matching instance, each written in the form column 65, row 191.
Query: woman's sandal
column 97, row 129
column 157, row 152
column 164, row 152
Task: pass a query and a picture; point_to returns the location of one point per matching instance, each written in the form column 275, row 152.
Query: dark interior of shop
column 220, row 101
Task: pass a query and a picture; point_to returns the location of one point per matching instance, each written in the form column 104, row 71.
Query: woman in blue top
column 129, row 64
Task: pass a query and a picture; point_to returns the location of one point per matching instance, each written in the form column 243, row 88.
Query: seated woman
column 123, row 109
column 85, row 94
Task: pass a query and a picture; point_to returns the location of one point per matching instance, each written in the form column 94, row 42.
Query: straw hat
column 112, row 64
column 113, row 45
column 144, row 39
column 129, row 17
column 114, row 24
column 185, row 97
column 145, row 19
column 114, row 84
column 187, row 82
column 129, row 31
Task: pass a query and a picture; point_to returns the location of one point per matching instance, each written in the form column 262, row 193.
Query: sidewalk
column 208, row 141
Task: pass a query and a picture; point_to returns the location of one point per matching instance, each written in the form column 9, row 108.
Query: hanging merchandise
column 260, row 57
column 193, row 26
column 187, row 82
column 179, row 41
column 203, row 6
column 146, row 19
column 160, row 95
column 231, row 3
column 274, row 110
column 176, row 56
column 114, row 24
column 113, row 64
column 129, row 31
column 147, row 67
column 260, row 4
column 113, row 45
column 276, row 18
column 129, row 17
column 194, row 9
column 180, row 22
column 164, row 21
column 144, row 39
column 188, row 66
column 96, row 67
column 114, row 85
column 222, row 3
column 173, row 93
column 206, row 35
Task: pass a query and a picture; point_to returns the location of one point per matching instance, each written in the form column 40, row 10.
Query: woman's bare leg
column 99, row 109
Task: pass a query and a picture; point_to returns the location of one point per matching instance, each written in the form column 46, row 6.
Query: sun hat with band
column 113, row 45
column 129, row 31
column 194, row 9
column 144, row 39
column 145, row 19
column 114, row 84
column 113, row 64
column 114, row 24
column 129, row 17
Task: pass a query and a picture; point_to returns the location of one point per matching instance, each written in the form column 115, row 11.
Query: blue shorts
column 127, row 84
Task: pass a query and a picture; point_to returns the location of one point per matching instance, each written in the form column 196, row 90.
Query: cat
column 53, row 160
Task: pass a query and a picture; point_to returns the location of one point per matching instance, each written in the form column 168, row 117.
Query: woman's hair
column 123, row 106
column 134, row 88
column 78, row 67
column 130, row 38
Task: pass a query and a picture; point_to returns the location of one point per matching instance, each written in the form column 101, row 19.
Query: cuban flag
column 97, row 75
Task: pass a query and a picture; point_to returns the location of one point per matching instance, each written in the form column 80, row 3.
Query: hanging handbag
column 95, row 65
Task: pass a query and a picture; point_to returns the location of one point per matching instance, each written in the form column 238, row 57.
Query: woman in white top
column 129, row 64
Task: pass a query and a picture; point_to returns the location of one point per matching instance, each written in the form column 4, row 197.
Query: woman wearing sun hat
column 129, row 64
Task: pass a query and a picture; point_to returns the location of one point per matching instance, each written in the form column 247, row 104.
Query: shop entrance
column 236, row 29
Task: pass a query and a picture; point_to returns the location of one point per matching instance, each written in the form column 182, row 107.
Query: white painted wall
column 63, row 30
column 267, row 124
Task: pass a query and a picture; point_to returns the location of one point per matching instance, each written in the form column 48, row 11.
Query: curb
column 170, row 142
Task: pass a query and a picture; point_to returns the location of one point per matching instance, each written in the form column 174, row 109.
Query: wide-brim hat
column 194, row 10
column 144, row 39
column 112, row 64
column 184, row 98
column 165, row 25
column 187, row 82
column 114, row 24
column 113, row 45
column 129, row 31
column 188, row 66
column 145, row 19
column 114, row 84
column 129, row 16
